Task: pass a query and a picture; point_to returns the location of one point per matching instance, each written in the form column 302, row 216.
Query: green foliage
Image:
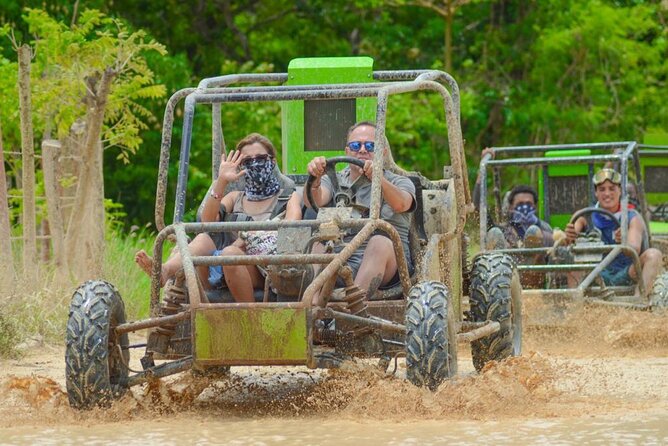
column 67, row 65
column 69, row 62
column 599, row 68
column 114, row 215
column 553, row 71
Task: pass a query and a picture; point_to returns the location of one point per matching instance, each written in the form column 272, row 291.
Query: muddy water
column 597, row 376
column 179, row 431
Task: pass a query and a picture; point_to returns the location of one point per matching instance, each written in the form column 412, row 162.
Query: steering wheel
column 338, row 191
column 586, row 212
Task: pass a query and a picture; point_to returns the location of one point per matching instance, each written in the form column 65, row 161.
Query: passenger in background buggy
column 523, row 228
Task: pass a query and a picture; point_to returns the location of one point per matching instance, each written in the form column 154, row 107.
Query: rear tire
column 495, row 295
column 431, row 343
column 658, row 298
column 95, row 371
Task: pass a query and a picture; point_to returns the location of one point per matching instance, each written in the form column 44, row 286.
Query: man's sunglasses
column 607, row 175
column 256, row 159
column 356, row 146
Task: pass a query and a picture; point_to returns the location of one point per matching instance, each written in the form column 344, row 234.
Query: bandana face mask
column 523, row 216
column 261, row 183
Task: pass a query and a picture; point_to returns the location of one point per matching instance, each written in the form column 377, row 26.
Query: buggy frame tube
column 151, row 322
column 380, row 324
column 165, row 146
column 162, row 370
column 454, row 139
column 156, row 270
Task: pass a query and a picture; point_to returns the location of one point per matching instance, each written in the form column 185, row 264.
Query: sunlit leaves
column 68, row 64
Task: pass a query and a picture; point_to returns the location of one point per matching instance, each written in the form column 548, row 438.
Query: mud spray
column 595, row 361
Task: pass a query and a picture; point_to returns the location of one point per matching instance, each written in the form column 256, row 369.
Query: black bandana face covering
column 523, row 216
column 261, row 183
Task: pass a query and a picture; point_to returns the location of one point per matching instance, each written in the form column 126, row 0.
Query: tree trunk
column 68, row 168
column 6, row 259
column 85, row 231
column 50, row 151
column 28, row 163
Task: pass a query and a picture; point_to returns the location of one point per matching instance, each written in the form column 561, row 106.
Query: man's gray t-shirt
column 401, row 221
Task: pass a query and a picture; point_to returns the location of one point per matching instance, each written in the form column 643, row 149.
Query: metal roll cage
column 217, row 91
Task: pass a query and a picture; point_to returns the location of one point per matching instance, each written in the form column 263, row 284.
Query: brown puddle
column 598, row 366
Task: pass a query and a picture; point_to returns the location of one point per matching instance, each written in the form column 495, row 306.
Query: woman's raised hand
column 229, row 167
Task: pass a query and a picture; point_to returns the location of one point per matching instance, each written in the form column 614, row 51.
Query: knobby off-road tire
column 431, row 343
column 495, row 295
column 658, row 298
column 94, row 367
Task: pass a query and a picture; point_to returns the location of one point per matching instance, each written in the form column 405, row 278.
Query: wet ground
column 598, row 378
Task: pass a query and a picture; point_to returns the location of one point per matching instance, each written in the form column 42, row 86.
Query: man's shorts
column 617, row 276
column 355, row 261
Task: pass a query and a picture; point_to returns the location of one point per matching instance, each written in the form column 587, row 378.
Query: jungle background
column 100, row 74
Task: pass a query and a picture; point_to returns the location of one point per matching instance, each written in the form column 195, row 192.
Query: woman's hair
column 260, row 139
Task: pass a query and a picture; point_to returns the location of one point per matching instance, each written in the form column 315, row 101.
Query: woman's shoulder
column 234, row 195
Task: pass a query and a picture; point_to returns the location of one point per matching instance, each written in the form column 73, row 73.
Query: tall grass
column 32, row 312
column 37, row 311
column 120, row 270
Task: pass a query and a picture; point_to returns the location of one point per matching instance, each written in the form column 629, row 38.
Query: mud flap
column 251, row 336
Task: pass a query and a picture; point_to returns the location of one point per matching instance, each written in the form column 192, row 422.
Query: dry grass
column 35, row 311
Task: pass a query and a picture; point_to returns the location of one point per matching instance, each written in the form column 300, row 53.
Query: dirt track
column 604, row 365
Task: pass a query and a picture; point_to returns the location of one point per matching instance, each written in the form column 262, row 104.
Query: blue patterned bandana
column 261, row 183
column 523, row 216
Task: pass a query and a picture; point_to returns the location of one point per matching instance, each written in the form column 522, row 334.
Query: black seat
column 418, row 214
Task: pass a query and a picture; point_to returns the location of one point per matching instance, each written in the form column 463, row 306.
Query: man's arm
column 321, row 194
column 573, row 229
column 399, row 199
column 636, row 230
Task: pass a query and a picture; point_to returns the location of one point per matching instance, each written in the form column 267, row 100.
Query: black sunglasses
column 356, row 146
column 256, row 159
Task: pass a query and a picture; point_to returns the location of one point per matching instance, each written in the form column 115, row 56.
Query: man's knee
column 379, row 244
column 651, row 257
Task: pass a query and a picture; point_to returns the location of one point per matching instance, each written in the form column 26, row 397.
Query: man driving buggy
column 374, row 264
column 621, row 272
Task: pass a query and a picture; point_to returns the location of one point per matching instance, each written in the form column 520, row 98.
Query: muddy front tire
column 495, row 295
column 658, row 298
column 431, row 342
column 95, row 373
